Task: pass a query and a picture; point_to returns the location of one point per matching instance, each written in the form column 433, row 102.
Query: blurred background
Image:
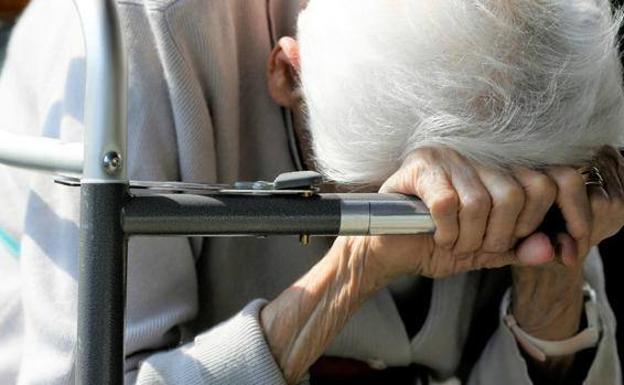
column 611, row 249
column 9, row 11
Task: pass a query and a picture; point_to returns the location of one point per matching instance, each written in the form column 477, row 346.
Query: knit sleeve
column 234, row 352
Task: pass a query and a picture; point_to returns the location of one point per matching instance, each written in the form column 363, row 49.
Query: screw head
column 304, row 239
column 112, row 162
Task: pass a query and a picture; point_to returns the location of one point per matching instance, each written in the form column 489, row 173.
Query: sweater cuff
column 503, row 363
column 233, row 352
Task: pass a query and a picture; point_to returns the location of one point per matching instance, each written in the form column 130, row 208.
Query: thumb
column 535, row 250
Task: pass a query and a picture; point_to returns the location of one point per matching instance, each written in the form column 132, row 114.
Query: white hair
column 504, row 82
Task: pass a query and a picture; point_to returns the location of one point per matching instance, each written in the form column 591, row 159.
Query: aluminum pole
column 42, row 154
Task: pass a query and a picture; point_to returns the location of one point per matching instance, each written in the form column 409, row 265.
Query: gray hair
column 503, row 82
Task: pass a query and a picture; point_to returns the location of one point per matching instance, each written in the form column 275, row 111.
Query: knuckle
column 444, row 204
column 544, row 187
column 570, row 179
column 510, row 196
column 477, row 204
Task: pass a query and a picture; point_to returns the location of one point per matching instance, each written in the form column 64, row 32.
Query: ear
column 282, row 73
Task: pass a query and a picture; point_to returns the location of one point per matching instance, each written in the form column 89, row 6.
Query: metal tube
column 43, row 154
column 102, row 281
column 105, row 93
column 185, row 214
column 101, row 286
column 325, row 214
column 386, row 213
column 105, row 108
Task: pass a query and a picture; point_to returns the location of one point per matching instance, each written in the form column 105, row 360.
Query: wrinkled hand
column 607, row 205
column 591, row 213
column 479, row 214
column 547, row 300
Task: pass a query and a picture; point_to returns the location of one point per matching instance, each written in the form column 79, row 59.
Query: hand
column 547, row 300
column 607, row 205
column 592, row 213
column 479, row 214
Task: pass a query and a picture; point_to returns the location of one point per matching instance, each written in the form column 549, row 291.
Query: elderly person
column 484, row 110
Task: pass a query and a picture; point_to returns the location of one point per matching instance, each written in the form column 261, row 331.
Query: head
column 504, row 82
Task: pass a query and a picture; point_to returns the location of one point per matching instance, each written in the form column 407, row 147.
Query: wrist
column 303, row 321
column 376, row 269
column 543, row 350
column 547, row 301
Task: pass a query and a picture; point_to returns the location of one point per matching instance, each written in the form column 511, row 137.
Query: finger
column 566, row 250
column 432, row 185
column 474, row 208
column 607, row 213
column 507, row 202
column 535, row 250
column 573, row 200
column 607, row 202
column 438, row 194
column 532, row 251
column 540, row 194
column 611, row 165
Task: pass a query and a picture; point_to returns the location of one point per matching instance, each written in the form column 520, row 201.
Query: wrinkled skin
column 485, row 218
column 480, row 215
column 547, row 299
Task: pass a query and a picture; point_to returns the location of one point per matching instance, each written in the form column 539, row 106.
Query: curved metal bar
column 106, row 92
column 41, row 154
column 105, row 142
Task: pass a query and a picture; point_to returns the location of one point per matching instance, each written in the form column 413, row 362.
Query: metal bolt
column 304, row 239
column 112, row 162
